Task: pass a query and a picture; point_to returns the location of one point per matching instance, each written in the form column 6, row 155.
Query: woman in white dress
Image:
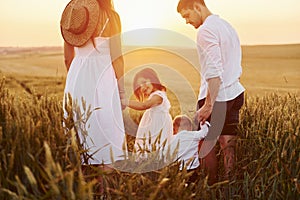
column 92, row 51
column 156, row 120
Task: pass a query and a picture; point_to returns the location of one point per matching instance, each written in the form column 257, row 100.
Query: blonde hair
column 107, row 11
column 183, row 122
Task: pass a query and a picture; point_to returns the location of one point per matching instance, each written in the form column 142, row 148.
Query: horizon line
column 131, row 45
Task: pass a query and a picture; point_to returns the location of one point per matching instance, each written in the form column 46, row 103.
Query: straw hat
column 79, row 21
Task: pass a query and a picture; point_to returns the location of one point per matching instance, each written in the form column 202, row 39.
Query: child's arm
column 202, row 133
column 154, row 101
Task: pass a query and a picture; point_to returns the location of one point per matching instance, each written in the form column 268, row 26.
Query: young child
column 187, row 141
column 152, row 97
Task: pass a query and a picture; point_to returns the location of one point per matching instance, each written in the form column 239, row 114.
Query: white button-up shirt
column 220, row 55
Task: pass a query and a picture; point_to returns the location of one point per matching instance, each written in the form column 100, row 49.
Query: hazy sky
column 36, row 22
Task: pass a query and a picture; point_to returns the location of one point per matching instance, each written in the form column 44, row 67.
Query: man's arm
column 213, row 89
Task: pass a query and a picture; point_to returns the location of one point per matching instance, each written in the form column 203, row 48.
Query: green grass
column 41, row 160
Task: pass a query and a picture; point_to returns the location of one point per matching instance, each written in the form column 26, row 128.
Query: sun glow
column 36, row 23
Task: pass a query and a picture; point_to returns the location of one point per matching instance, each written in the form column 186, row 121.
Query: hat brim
column 93, row 12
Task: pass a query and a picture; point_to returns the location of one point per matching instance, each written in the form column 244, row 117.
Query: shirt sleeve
column 198, row 135
column 210, row 51
column 158, row 93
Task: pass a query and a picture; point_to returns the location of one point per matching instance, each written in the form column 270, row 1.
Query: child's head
column 182, row 122
column 145, row 82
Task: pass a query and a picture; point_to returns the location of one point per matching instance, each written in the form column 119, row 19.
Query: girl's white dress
column 91, row 76
column 155, row 120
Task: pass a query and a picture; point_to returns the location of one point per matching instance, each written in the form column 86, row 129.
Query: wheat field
column 270, row 68
column 41, row 160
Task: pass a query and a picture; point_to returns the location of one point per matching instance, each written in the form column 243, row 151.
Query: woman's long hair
column 107, row 11
column 106, row 4
column 150, row 74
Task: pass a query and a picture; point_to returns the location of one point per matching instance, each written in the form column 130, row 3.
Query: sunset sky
column 36, row 22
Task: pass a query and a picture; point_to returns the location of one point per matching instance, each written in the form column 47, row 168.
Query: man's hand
column 203, row 113
column 213, row 89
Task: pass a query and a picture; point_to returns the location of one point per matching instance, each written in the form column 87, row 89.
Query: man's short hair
column 188, row 4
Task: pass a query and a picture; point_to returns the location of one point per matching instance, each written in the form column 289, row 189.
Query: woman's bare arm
column 68, row 55
column 116, row 54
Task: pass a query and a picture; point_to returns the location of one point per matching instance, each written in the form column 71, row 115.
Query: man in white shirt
column 221, row 94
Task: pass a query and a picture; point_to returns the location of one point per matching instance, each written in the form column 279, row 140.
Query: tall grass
column 41, row 160
column 269, row 148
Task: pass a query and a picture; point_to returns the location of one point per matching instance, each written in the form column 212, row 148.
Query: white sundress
column 92, row 76
column 155, row 120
